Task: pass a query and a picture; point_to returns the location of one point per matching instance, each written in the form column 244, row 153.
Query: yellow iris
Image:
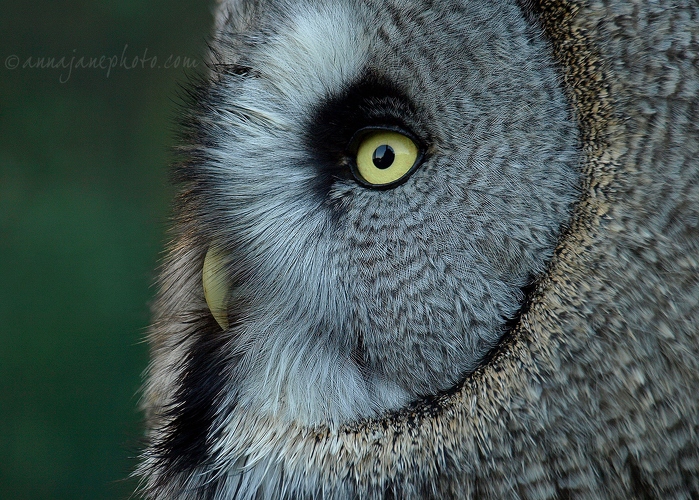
column 384, row 157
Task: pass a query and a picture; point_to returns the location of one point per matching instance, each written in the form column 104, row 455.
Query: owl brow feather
column 234, row 69
column 256, row 116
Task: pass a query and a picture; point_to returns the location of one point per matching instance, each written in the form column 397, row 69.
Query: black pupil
column 383, row 156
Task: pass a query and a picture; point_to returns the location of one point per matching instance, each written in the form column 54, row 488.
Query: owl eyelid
column 356, row 140
column 360, row 134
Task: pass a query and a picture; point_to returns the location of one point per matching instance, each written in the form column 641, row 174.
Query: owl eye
column 384, row 158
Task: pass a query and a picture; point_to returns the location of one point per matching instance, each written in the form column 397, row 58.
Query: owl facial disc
column 215, row 286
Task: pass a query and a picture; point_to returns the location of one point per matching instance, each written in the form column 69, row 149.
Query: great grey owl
column 433, row 249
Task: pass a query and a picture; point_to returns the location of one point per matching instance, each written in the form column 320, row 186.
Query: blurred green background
column 84, row 204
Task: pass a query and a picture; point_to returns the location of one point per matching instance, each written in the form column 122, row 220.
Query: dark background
column 84, row 204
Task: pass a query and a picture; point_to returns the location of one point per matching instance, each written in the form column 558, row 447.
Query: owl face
column 378, row 190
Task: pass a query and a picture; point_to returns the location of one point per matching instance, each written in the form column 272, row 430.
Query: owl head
column 368, row 190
